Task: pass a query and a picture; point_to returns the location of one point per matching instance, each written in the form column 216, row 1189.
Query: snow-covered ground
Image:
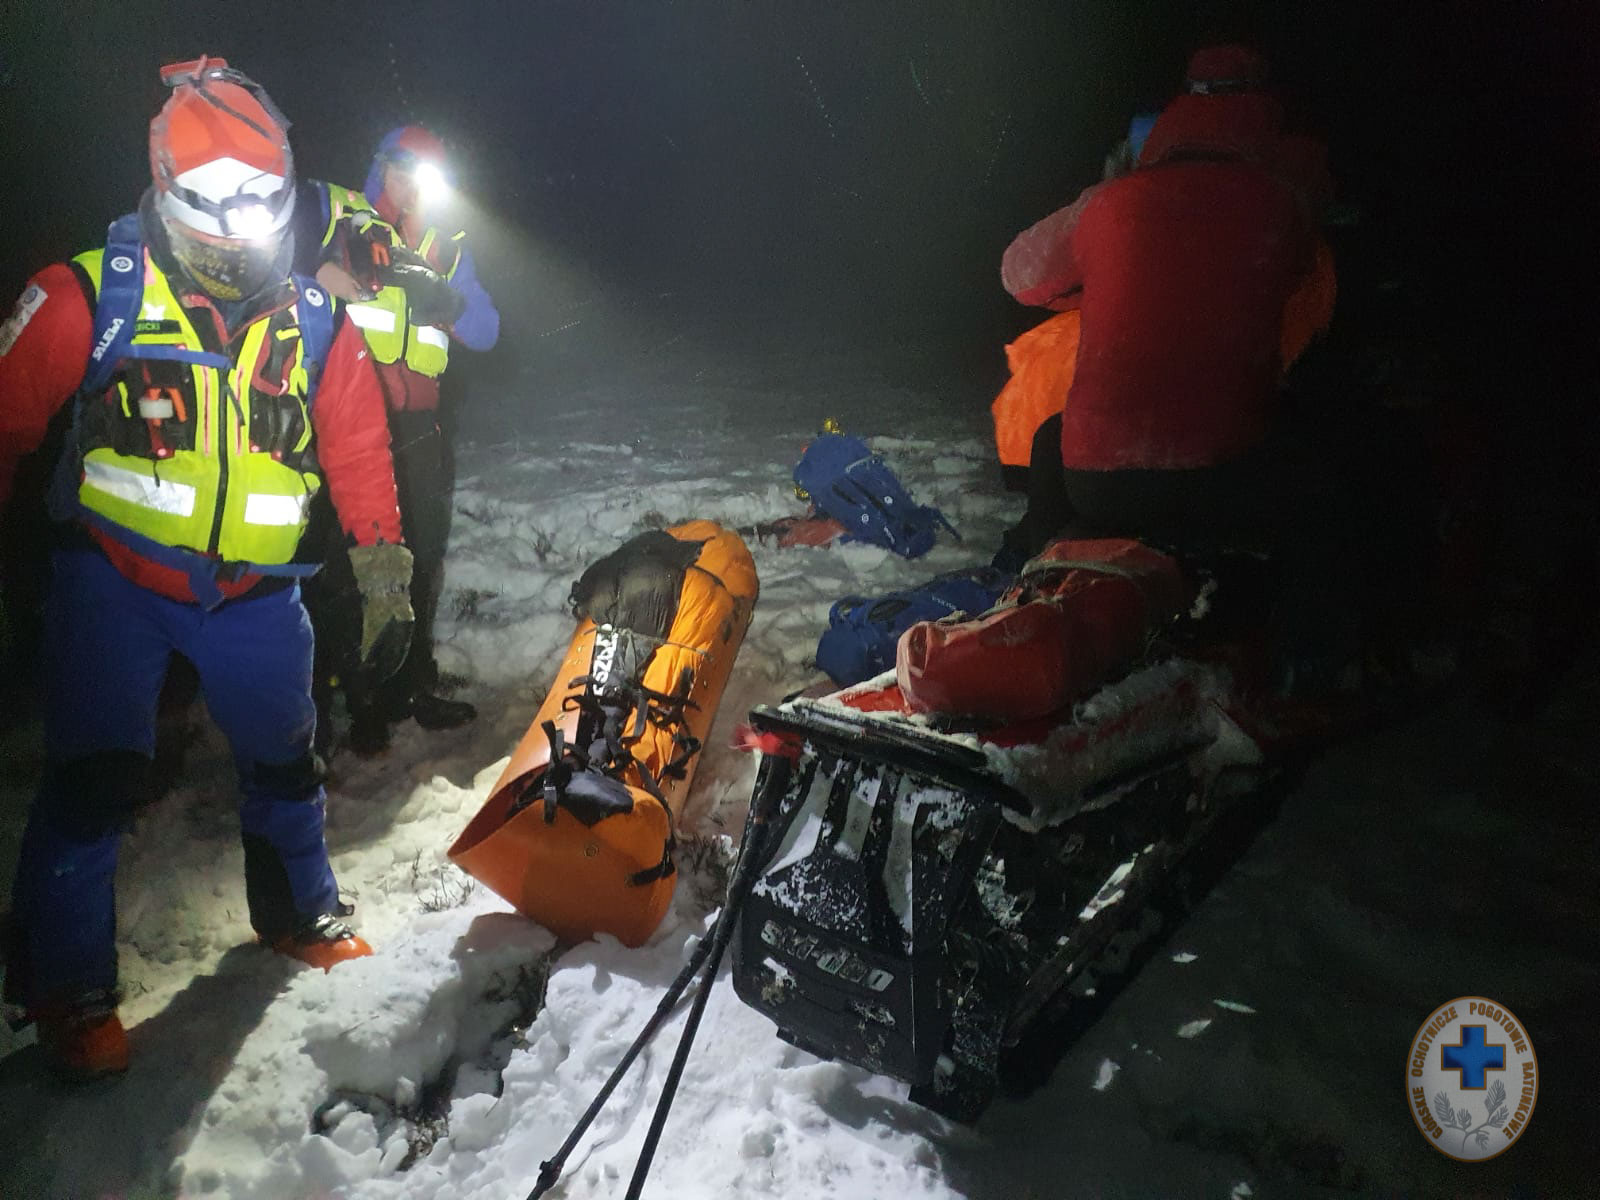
column 1260, row 1053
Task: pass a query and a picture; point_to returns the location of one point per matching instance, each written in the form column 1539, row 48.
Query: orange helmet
column 223, row 174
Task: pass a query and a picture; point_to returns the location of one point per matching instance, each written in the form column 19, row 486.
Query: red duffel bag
column 1078, row 615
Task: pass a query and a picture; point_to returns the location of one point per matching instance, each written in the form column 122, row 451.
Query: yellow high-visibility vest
column 196, row 457
column 385, row 320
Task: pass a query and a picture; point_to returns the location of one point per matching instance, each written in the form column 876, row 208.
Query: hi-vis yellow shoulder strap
column 431, row 238
column 341, row 202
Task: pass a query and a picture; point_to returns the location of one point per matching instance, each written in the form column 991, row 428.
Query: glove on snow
column 383, row 575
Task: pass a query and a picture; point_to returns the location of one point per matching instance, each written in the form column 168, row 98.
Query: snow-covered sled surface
column 1169, row 708
column 937, row 885
column 1259, row 1054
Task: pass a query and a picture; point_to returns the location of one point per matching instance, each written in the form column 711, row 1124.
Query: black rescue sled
column 930, row 899
column 920, row 894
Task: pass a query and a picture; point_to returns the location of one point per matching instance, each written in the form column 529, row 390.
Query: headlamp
column 432, row 187
column 245, row 214
column 252, row 221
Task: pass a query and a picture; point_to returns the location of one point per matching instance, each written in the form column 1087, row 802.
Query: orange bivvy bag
column 578, row 832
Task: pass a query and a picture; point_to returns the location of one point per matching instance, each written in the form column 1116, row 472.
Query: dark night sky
column 799, row 172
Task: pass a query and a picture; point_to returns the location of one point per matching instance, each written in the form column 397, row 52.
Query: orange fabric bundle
column 1042, row 363
column 573, row 871
column 1310, row 309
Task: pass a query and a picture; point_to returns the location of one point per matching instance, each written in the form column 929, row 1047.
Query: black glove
column 431, row 298
column 383, row 576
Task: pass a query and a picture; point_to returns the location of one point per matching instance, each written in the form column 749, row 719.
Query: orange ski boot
column 323, row 941
column 84, row 1039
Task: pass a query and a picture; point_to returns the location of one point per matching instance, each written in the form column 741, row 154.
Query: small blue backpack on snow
column 848, row 482
column 862, row 634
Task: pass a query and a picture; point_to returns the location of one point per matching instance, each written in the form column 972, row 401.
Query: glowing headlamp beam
column 251, row 221
column 432, row 187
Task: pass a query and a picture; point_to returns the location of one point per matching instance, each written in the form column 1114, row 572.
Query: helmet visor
column 247, row 213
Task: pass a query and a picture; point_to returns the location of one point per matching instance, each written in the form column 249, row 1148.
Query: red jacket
column 1185, row 266
column 1243, row 125
column 44, row 349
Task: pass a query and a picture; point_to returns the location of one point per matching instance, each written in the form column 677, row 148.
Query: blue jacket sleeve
column 478, row 327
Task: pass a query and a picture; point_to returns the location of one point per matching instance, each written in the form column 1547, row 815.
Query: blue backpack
column 862, row 633
column 848, row 482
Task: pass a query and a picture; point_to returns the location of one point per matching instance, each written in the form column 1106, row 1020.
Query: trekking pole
column 744, row 879
column 550, row 1168
column 751, row 860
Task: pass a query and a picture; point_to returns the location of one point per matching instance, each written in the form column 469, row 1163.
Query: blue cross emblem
column 1473, row 1056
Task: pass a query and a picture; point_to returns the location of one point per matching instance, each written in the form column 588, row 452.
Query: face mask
column 228, row 269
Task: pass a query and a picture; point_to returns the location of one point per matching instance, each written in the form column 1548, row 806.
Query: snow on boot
column 436, row 712
column 84, row 1039
column 324, row 942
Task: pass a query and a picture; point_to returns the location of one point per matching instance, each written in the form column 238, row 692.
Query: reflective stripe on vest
column 139, row 489
column 185, row 474
column 382, row 321
column 371, row 317
column 428, row 350
column 261, row 508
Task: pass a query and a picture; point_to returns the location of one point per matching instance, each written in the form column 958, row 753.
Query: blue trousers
column 106, row 647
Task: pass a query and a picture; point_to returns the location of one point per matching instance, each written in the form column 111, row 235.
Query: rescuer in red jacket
column 1182, row 270
column 210, row 394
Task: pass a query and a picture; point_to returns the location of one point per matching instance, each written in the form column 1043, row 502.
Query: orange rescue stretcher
column 578, row 832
